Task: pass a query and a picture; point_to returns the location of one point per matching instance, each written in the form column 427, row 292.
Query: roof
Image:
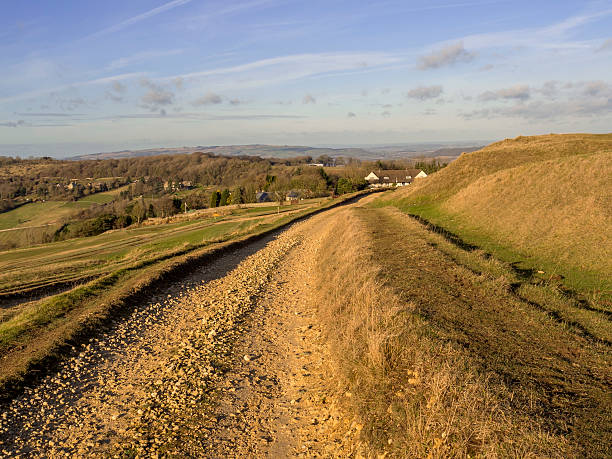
column 396, row 175
column 263, row 196
column 292, row 194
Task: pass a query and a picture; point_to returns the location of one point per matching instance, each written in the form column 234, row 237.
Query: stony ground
column 228, row 363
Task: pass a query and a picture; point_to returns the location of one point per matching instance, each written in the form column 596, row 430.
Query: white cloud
column 574, row 100
column 448, row 55
column 179, row 83
column 156, row 97
column 118, row 86
column 597, row 89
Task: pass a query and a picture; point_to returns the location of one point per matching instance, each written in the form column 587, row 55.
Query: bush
column 92, row 226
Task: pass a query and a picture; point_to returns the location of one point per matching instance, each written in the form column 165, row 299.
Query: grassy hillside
column 543, row 201
column 446, row 352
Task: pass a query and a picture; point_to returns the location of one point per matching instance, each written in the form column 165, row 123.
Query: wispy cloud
column 518, row 92
column 13, row 124
column 202, row 116
column 447, row 55
column 605, row 46
column 51, row 114
column 210, row 98
column 76, row 84
column 284, row 68
column 425, row 92
column 203, row 20
column 141, row 57
column 551, row 36
column 141, row 17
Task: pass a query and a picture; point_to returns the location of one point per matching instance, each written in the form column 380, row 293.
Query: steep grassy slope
column 542, row 201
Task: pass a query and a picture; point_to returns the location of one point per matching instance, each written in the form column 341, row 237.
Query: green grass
column 104, row 197
column 34, row 214
column 43, row 213
column 45, row 266
column 595, row 285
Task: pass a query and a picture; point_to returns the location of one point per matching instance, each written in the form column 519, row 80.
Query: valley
column 363, row 325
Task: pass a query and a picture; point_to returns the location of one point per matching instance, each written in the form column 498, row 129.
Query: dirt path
column 277, row 401
column 229, row 362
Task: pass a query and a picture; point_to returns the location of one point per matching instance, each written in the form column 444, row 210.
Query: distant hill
column 428, row 150
column 268, row 151
column 547, row 198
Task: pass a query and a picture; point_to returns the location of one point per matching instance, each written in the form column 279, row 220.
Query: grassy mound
column 544, row 201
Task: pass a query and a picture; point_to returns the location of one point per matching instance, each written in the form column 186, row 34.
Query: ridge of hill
column 543, row 201
column 273, row 151
column 287, row 151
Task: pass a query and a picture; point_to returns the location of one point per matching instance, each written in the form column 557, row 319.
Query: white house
column 391, row 178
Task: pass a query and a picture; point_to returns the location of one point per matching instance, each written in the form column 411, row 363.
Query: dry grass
column 562, row 207
column 544, row 201
column 417, row 395
column 507, row 154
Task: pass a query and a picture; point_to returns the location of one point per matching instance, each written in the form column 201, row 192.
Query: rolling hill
column 417, row 150
column 542, row 201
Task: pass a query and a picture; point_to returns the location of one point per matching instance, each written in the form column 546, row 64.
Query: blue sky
column 82, row 77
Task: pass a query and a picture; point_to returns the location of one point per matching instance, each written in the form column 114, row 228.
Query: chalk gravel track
column 230, row 362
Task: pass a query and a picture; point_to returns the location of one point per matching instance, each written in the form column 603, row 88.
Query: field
column 542, row 203
column 23, row 224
